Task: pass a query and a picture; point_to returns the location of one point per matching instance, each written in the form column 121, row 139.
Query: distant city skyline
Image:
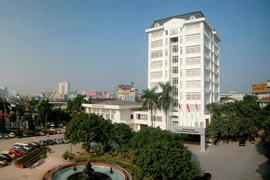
column 98, row 44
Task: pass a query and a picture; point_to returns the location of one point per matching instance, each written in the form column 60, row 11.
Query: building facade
column 234, row 95
column 127, row 93
column 184, row 50
column 261, row 90
column 64, row 87
column 4, row 92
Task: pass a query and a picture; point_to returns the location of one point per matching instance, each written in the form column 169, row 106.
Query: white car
column 58, row 131
column 11, row 135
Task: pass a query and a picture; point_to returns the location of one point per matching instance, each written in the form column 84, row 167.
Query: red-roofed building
column 264, row 101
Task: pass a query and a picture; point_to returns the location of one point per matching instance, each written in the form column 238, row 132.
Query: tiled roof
column 197, row 14
column 119, row 103
column 265, row 99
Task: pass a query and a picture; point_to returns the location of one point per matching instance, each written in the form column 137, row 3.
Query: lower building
column 130, row 113
column 261, row 90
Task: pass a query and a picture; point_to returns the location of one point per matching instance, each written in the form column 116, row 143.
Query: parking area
column 232, row 162
column 53, row 159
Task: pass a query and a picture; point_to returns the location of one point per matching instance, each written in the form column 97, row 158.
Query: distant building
column 14, row 93
column 264, row 101
column 233, row 95
column 64, row 87
column 127, row 93
column 261, row 90
column 3, row 92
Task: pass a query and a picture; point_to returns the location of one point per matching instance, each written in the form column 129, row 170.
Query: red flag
column 188, row 108
column 197, row 107
column 179, row 106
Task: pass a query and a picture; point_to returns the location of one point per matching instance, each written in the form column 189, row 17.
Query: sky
column 95, row 44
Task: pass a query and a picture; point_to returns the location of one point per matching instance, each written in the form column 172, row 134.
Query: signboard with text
column 91, row 94
column 259, row 88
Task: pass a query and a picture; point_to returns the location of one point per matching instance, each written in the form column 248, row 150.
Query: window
column 175, row 59
column 193, row 96
column 165, row 74
column 156, row 54
column 181, row 73
column 157, row 43
column 175, row 81
column 193, row 27
column 166, row 62
column 193, row 84
column 166, row 41
column 175, row 103
column 181, row 40
column 156, row 64
column 175, row 91
column 175, row 70
column 112, row 116
column 193, row 49
column 157, row 118
column 174, row 40
column 192, row 38
column 157, row 34
column 181, row 61
column 193, row 72
column 156, row 75
column 175, row 48
column 142, row 116
column 193, row 60
column 181, row 50
column 107, row 116
column 206, row 42
column 206, row 53
column 166, row 52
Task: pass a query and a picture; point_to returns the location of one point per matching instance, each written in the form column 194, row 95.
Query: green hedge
column 31, row 156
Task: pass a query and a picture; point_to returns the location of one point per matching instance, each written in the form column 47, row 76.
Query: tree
column 121, row 134
column 45, row 110
column 164, row 99
column 234, row 121
column 165, row 158
column 4, row 108
column 266, row 130
column 149, row 99
column 84, row 128
column 75, row 106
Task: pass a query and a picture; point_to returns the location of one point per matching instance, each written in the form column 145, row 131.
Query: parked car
column 6, row 136
column 242, row 142
column 3, row 162
column 12, row 135
column 59, row 141
column 25, row 134
column 21, row 149
column 65, row 140
column 7, row 157
column 52, row 132
column 43, row 142
column 35, row 144
column 58, row 131
column 42, row 133
column 16, row 152
column 11, row 154
column 51, row 142
column 1, row 136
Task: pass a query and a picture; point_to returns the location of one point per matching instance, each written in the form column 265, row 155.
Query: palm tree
column 149, row 99
column 4, row 108
column 164, row 99
column 45, row 108
column 75, row 106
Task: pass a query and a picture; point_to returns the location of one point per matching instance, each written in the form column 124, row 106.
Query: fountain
column 88, row 174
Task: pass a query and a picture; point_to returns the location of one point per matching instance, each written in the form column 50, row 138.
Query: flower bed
column 31, row 157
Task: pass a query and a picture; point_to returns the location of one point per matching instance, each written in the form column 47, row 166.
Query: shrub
column 31, row 156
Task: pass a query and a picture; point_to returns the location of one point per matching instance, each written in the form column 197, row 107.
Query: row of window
column 156, row 64
column 156, row 75
column 189, row 84
column 156, row 54
column 193, row 96
column 158, row 43
column 157, row 34
column 193, row 49
column 192, row 38
column 189, row 72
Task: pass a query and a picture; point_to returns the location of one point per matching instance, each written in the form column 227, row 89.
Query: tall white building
column 184, row 50
column 64, row 87
column 3, row 91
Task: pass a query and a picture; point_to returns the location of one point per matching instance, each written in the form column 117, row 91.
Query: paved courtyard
column 224, row 162
column 231, row 162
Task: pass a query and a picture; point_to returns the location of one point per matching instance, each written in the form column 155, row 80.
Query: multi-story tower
column 184, row 50
column 64, row 87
